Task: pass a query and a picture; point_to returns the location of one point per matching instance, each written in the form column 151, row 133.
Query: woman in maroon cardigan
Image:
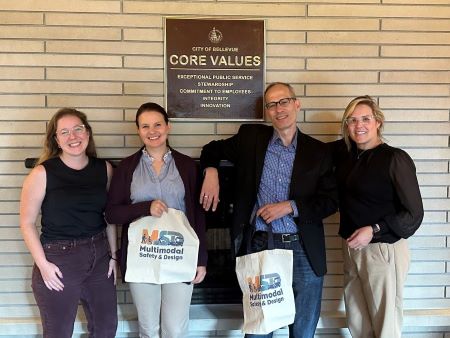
column 145, row 184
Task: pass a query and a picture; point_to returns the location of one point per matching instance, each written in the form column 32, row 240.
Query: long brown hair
column 51, row 148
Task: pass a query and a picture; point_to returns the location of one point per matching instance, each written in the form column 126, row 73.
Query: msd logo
column 264, row 282
column 162, row 237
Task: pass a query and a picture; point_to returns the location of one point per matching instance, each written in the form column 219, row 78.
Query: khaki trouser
column 163, row 310
column 373, row 290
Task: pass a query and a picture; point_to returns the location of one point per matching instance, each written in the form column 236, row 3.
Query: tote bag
column 265, row 279
column 162, row 249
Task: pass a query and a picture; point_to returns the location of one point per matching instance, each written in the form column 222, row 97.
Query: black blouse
column 75, row 200
column 380, row 186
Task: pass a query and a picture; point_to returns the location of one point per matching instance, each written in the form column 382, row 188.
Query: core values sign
column 214, row 69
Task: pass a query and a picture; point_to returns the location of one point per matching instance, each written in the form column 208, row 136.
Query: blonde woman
column 380, row 206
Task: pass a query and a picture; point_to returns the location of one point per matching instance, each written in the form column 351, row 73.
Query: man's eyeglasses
column 78, row 130
column 352, row 121
column 282, row 103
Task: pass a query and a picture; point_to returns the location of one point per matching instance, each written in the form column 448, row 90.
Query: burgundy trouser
column 84, row 265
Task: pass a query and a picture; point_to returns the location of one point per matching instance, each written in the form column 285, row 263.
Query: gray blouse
column 168, row 187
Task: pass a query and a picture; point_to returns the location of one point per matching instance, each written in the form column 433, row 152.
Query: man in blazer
column 283, row 178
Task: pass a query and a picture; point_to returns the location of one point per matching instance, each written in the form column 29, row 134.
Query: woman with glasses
column 147, row 183
column 380, row 206
column 75, row 253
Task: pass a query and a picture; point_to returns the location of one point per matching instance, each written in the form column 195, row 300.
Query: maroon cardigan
column 119, row 209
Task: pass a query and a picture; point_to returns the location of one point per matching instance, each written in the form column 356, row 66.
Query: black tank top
column 74, row 200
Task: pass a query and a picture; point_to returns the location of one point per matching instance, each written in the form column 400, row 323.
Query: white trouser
column 163, row 310
column 373, row 290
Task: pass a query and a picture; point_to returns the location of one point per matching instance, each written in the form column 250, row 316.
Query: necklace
column 359, row 153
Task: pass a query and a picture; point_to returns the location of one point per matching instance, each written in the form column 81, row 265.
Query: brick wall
column 106, row 58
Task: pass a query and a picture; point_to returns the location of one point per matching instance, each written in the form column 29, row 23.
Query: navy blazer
column 312, row 187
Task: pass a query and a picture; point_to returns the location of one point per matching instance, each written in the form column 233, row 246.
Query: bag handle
column 270, row 240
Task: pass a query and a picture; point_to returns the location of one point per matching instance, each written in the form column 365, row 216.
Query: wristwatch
column 375, row 228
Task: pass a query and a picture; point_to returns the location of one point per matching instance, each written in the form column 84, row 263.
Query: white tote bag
column 162, row 249
column 265, row 279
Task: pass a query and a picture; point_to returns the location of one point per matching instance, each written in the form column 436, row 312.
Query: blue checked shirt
column 275, row 181
column 168, row 186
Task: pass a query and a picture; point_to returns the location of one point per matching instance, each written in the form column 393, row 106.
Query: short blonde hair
column 368, row 101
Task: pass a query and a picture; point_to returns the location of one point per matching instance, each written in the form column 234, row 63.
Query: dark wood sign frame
column 214, row 69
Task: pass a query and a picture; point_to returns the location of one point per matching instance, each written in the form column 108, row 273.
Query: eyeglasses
column 78, row 130
column 365, row 120
column 282, row 103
